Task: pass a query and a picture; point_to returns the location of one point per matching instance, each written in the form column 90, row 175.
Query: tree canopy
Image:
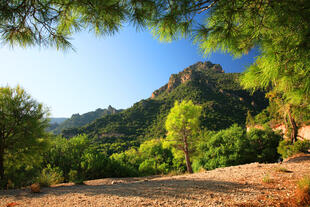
column 22, row 129
column 182, row 125
column 280, row 29
column 52, row 22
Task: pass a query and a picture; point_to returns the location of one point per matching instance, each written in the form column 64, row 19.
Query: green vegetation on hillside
column 78, row 120
column 222, row 99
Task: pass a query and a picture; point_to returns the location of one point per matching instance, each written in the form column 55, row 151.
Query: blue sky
column 118, row 70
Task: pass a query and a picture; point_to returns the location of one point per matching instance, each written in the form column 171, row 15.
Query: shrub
column 20, row 175
column 117, row 168
column 148, row 167
column 125, row 164
column 233, row 146
column 157, row 159
column 94, row 165
column 263, row 145
column 303, row 191
column 50, row 176
column 197, row 165
column 286, row 149
column 224, row 148
column 267, row 179
column 75, row 177
column 68, row 154
column 301, row 146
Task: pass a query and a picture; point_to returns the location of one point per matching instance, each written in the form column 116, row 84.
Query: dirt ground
column 245, row 185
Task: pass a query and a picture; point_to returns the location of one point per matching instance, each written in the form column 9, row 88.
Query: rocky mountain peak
column 206, row 66
column 111, row 109
column 188, row 74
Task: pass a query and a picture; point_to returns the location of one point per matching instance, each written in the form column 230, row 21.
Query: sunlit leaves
column 183, row 121
column 22, row 131
column 53, row 22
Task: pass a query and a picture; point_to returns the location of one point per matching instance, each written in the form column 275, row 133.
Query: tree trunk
column 294, row 132
column 1, row 163
column 188, row 162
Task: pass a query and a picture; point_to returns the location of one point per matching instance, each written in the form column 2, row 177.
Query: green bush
column 68, row 154
column 148, row 167
column 302, row 146
column 234, row 146
column 19, row 176
column 50, row 176
column 151, row 158
column 197, row 165
column 224, row 148
column 117, row 168
column 286, row 149
column 94, row 165
column 75, row 177
column 263, row 145
column 157, row 159
column 125, row 164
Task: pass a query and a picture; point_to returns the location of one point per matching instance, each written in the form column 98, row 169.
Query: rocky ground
column 245, row 185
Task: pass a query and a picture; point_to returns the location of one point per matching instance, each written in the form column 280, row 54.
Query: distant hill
column 223, row 100
column 78, row 120
column 57, row 120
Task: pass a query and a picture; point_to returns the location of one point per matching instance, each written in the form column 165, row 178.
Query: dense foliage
column 22, row 135
column 51, row 23
column 287, row 149
column 227, row 147
column 234, row 146
column 182, row 126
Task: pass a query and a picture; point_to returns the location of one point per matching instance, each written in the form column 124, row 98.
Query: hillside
column 242, row 186
column 78, row 120
column 57, row 120
column 223, row 100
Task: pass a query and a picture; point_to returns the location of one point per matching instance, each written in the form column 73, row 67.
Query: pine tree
column 182, row 125
column 52, row 22
column 22, row 128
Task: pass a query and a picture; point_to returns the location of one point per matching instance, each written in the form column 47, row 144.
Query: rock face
column 303, row 131
column 188, row 74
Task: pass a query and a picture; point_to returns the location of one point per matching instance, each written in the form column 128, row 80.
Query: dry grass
column 303, row 191
column 267, row 179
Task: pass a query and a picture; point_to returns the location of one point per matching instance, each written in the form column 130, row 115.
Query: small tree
column 182, row 125
column 22, row 127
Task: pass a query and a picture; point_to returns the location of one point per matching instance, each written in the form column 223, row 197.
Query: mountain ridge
column 223, row 100
column 77, row 120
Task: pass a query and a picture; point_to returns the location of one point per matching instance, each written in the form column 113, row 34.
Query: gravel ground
column 245, row 185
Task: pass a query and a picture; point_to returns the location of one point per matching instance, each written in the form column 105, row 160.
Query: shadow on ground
column 169, row 188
